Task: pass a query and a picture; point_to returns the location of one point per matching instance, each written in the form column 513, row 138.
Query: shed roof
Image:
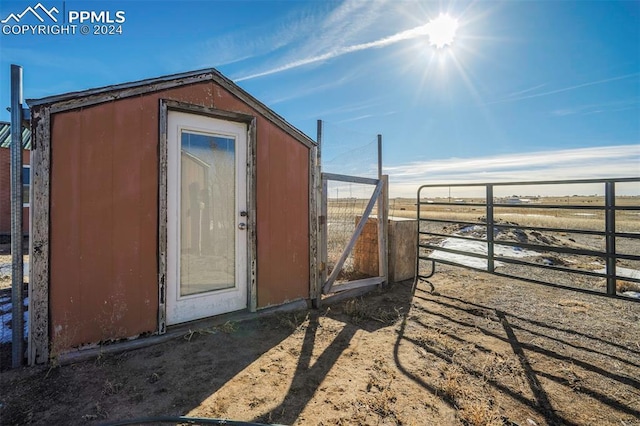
column 89, row 97
column 5, row 136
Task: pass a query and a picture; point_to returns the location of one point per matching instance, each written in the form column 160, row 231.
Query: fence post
column 17, row 345
column 489, row 200
column 322, row 222
column 383, row 230
column 383, row 225
column 610, row 230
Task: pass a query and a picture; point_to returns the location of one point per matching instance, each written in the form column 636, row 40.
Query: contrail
column 565, row 89
column 392, row 39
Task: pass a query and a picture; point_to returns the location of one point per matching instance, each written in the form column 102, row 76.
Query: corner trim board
column 38, row 342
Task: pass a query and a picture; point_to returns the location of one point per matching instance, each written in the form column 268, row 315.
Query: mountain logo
column 43, row 11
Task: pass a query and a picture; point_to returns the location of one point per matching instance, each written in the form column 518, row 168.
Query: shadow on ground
column 548, row 357
column 460, row 349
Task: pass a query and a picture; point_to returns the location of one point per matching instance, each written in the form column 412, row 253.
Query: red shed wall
column 5, row 192
column 104, row 220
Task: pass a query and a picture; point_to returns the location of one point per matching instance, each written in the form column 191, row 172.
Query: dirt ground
column 463, row 348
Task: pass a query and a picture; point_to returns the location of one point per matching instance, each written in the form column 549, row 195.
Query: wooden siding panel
column 103, row 224
column 283, row 220
column 64, row 241
column 135, row 214
column 98, row 296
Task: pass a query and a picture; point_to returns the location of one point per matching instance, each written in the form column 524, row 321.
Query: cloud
column 395, row 38
column 365, row 116
column 245, row 43
column 582, row 163
column 311, row 88
column 344, row 31
column 586, row 109
column 519, row 96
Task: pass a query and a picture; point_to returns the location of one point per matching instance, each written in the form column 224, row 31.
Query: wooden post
column 39, row 238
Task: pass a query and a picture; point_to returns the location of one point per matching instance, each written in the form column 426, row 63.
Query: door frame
column 170, row 105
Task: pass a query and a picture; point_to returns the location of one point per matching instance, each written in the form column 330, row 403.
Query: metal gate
column 328, row 281
column 482, row 240
column 328, row 277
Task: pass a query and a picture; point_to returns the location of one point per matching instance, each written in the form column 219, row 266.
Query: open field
column 626, row 220
column 465, row 348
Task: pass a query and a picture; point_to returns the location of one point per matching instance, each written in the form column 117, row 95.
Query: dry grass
column 228, row 327
column 622, row 286
column 360, row 310
column 292, row 320
column 5, row 278
column 626, row 220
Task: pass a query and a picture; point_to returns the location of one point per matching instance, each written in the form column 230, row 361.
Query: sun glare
column 442, row 31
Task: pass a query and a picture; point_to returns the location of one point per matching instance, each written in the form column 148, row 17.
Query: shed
column 160, row 202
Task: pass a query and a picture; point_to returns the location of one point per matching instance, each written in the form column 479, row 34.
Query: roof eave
column 74, row 100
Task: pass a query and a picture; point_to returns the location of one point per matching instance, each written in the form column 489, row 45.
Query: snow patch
column 623, row 272
column 5, row 269
column 6, row 334
column 479, row 247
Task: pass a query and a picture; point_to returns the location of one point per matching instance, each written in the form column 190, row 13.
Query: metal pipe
column 610, row 229
column 320, row 212
column 490, row 230
column 382, row 219
column 17, row 336
column 379, row 156
column 610, row 255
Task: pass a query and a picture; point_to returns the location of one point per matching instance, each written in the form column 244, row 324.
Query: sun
column 442, row 31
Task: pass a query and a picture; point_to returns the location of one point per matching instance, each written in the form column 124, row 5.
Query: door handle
column 242, row 226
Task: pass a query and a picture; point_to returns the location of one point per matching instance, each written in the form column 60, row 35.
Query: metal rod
column 539, row 182
column 417, row 271
column 610, row 229
column 490, row 229
column 350, row 179
column 382, row 219
column 321, row 212
column 379, row 156
column 383, row 230
column 17, row 337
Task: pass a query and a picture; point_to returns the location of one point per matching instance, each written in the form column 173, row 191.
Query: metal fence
column 448, row 233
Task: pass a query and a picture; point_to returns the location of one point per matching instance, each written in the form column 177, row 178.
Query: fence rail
column 610, row 256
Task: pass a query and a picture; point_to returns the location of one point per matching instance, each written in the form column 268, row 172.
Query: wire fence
column 343, row 214
column 348, row 152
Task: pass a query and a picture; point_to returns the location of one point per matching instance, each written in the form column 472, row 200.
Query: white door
column 206, row 217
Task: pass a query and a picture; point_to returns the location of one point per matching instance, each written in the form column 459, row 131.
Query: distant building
column 5, row 179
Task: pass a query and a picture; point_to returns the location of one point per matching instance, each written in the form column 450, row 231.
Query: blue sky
column 528, row 89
